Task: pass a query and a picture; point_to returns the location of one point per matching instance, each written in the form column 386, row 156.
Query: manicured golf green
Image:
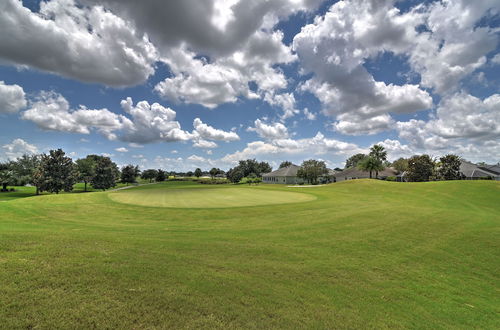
column 359, row 254
column 197, row 197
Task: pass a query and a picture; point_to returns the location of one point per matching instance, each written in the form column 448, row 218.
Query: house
column 288, row 175
column 471, row 171
column 284, row 175
column 355, row 173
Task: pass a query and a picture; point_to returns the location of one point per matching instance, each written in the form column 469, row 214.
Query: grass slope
column 163, row 195
column 363, row 254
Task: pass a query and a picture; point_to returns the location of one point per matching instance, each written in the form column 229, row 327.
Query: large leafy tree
column 129, row 174
column 250, row 166
column 149, row 174
column 24, row 169
column 311, row 170
column 286, row 163
column 198, row 172
column 58, row 172
column 420, row 168
column 214, row 172
column 354, row 160
column 400, row 165
column 378, row 152
column 371, row 164
column 6, row 175
column 86, row 169
column 235, row 175
column 105, row 173
column 161, row 175
column 449, row 167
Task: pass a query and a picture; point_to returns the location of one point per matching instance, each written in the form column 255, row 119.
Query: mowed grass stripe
column 162, row 196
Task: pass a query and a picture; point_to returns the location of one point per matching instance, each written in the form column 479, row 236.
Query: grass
column 362, row 254
column 163, row 195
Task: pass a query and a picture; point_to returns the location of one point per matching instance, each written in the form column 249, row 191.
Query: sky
column 187, row 83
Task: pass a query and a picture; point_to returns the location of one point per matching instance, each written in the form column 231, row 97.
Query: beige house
column 285, row 175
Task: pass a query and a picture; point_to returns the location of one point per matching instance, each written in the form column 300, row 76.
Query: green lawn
column 165, row 195
column 359, row 254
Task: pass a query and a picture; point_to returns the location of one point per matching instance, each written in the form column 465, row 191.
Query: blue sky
column 184, row 85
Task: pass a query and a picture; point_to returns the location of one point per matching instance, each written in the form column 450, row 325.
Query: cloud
column 269, row 132
column 51, row 111
column 209, row 133
column 122, row 149
column 204, row 144
column 17, row 148
column 12, row 98
column 335, row 47
column 309, row 115
column 90, row 44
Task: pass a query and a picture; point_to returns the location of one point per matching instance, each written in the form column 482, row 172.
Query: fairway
column 361, row 254
column 163, row 196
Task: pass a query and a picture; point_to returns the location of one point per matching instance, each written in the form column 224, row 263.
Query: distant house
column 471, row 171
column 288, row 175
column 355, row 173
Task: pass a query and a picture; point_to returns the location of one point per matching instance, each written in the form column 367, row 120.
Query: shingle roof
column 285, row 171
column 471, row 170
column 355, row 172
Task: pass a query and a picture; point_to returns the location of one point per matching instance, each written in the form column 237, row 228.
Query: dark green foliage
column 214, row 172
column 57, row 172
column 189, row 174
column 371, row 164
column 198, row 172
column 161, row 176
column 420, row 168
column 378, row 152
column 106, row 173
column 311, row 170
column 24, row 169
column 129, row 174
column 354, row 160
column 250, row 166
column 86, row 169
column 400, row 165
column 6, row 176
column 235, row 175
column 449, row 167
column 149, row 174
column 286, row 163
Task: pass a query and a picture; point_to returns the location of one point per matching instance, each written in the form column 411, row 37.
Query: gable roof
column 355, row 172
column 471, row 170
column 285, row 171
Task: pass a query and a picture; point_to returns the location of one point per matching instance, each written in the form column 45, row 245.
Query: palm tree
column 6, row 177
column 378, row 152
column 370, row 164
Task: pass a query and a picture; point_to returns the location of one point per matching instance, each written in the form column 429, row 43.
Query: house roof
column 355, row 172
column 471, row 170
column 285, row 171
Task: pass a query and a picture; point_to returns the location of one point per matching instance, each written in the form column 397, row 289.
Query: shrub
column 390, row 178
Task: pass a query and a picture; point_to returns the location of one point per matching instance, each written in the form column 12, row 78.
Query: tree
column 420, row 168
column 198, row 173
column 161, row 175
column 311, row 170
column 105, row 173
column 449, row 168
column 6, row 176
column 149, row 175
column 370, row 164
column 214, row 172
column 378, row 152
column 24, row 169
column 286, row 163
column 189, row 173
column 234, row 175
column 58, row 172
column 129, row 174
column 354, row 160
column 86, row 169
column 264, row 167
column 400, row 165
